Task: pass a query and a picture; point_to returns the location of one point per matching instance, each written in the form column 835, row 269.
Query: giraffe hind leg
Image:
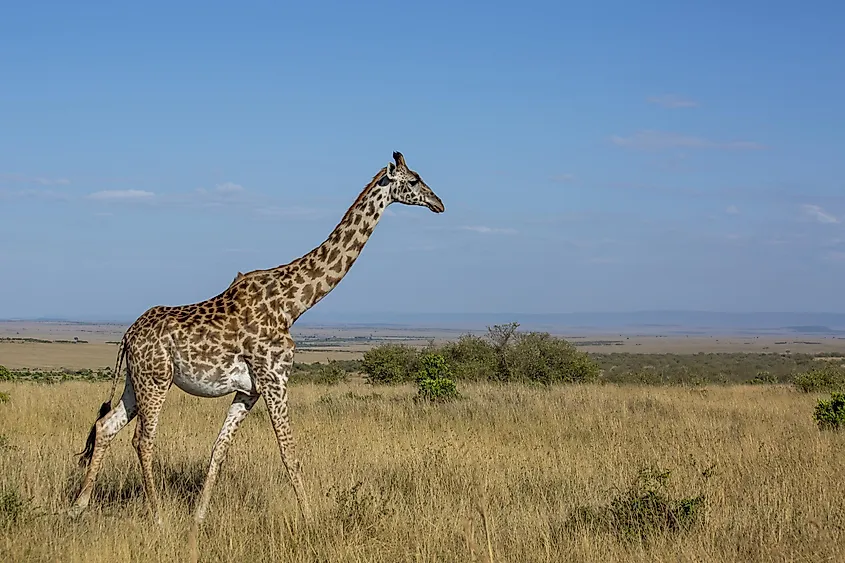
column 150, row 402
column 105, row 428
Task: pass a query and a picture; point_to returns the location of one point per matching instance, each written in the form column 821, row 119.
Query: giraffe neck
column 319, row 271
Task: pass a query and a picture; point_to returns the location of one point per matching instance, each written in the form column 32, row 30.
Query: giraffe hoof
column 75, row 511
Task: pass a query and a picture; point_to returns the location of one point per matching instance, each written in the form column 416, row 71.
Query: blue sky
column 619, row 156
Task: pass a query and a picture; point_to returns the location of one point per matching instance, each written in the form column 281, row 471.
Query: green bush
column 4, row 397
column 643, row 510
column 830, row 415
column 331, row 374
column 471, row 358
column 390, row 363
column 543, row 358
column 5, row 374
column 505, row 355
column 829, row 377
column 763, row 377
column 434, row 379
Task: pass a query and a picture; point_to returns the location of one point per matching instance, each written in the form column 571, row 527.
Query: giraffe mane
column 362, row 195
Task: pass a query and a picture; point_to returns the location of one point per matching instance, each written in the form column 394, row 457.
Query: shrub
column 829, row 377
column 390, row 363
column 14, row 508
column 763, row 377
column 540, row 357
column 5, row 374
column 330, row 374
column 4, row 397
column 359, row 510
column 434, row 381
column 830, row 415
column 471, row 358
column 644, row 509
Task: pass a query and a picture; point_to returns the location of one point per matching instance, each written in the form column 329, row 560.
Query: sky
column 616, row 156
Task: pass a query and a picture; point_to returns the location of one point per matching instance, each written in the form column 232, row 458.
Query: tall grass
column 392, row 479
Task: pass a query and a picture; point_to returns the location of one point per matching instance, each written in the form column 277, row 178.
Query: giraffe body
column 238, row 342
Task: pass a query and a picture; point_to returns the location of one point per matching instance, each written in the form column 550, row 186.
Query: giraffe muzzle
column 433, row 202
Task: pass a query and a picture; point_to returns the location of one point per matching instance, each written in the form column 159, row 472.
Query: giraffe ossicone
column 237, row 342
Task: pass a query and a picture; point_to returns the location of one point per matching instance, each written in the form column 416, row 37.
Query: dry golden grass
column 528, row 456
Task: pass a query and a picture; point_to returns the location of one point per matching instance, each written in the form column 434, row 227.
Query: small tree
column 434, row 379
column 501, row 336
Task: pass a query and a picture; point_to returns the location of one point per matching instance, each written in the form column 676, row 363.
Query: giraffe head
column 405, row 186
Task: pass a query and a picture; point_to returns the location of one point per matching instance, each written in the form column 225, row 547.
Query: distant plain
column 19, row 346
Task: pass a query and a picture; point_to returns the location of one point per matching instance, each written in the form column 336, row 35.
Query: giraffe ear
column 391, row 170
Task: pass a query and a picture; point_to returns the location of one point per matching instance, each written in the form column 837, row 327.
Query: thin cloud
column 36, row 193
column 672, row 101
column 563, row 178
column 122, row 195
column 658, row 140
column 224, row 188
column 818, row 214
column 40, row 180
column 228, row 187
column 488, row 230
column 732, row 210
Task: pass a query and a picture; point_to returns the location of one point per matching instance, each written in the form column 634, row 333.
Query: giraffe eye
column 414, row 182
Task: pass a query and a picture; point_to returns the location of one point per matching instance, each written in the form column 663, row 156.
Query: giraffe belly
column 201, row 384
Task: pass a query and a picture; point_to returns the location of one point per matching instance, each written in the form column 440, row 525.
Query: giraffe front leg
column 276, row 396
column 238, row 411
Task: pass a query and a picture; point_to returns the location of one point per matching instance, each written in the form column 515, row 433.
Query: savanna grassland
column 395, row 480
column 545, row 455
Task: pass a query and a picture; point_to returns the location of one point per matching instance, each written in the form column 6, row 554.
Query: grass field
column 394, row 480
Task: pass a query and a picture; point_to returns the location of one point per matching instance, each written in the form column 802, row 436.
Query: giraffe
column 237, row 342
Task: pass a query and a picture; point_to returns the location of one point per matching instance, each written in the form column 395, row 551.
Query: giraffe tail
column 105, row 408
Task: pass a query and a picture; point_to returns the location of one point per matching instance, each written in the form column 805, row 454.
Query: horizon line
column 326, row 317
